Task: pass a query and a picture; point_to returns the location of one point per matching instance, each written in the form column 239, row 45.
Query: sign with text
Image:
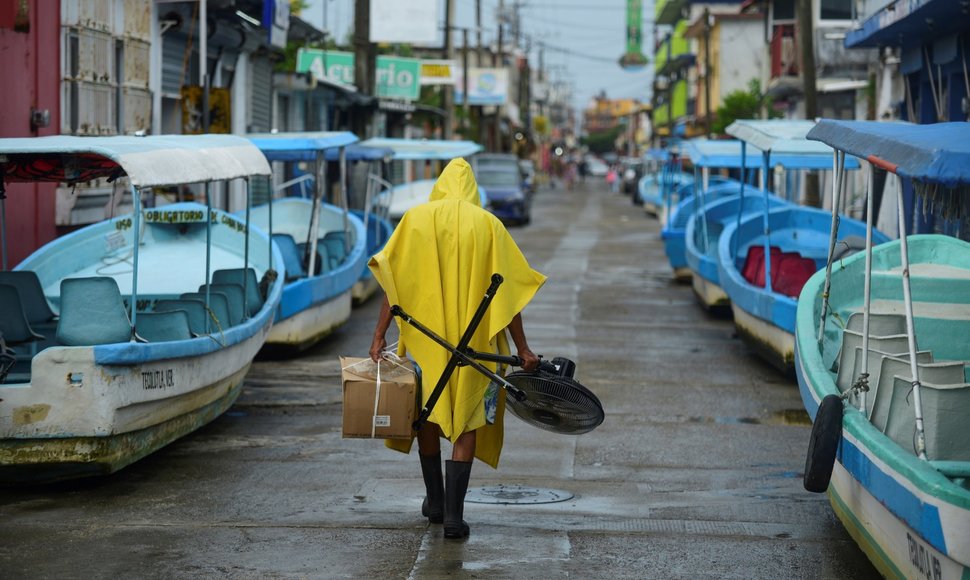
column 404, row 21
column 397, row 78
column 438, row 72
column 486, row 86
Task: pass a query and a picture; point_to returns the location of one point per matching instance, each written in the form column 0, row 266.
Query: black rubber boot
column 456, row 484
column 433, row 507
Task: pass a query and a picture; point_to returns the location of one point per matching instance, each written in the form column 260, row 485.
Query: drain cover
column 516, row 494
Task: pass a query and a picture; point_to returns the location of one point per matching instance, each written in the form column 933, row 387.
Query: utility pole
column 709, row 115
column 501, row 31
column 806, row 37
column 365, row 62
column 466, row 120
column 448, row 102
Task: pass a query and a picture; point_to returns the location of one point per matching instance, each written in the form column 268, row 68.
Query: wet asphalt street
column 695, row 473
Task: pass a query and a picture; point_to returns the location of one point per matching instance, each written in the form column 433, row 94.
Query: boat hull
column 765, row 319
column 89, row 410
column 909, row 518
column 710, row 295
column 308, row 326
column 312, row 307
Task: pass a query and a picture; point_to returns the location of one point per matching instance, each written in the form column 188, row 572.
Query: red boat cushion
column 789, row 270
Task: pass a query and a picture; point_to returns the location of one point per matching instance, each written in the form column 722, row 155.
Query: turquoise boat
column 882, row 351
column 135, row 331
column 323, row 244
column 763, row 292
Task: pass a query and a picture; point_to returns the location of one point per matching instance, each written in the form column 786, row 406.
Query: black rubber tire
column 824, row 444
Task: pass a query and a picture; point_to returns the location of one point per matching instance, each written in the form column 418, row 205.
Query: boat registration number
column 923, row 559
column 160, row 379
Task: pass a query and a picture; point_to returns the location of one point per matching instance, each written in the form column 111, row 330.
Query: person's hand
column 529, row 359
column 377, row 347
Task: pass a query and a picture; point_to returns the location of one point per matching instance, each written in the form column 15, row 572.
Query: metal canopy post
column 910, row 326
column 838, row 166
column 705, row 181
column 136, row 201
column 867, row 290
column 246, row 236
column 766, row 156
column 321, row 170
column 344, row 199
column 208, row 249
column 737, row 228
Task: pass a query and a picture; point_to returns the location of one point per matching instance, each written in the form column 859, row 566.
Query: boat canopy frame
column 938, row 156
column 785, row 143
column 147, row 161
column 311, row 146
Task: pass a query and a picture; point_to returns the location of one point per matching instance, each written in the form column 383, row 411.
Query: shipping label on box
column 381, row 409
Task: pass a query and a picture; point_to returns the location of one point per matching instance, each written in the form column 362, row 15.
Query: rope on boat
column 7, row 359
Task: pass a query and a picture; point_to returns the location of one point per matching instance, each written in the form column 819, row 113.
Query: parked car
column 595, row 167
column 528, row 169
column 506, row 192
column 631, row 170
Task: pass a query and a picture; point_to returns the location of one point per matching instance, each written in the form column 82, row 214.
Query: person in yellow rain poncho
column 436, row 266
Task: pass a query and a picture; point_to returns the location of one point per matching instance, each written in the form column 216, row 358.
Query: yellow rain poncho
column 437, row 266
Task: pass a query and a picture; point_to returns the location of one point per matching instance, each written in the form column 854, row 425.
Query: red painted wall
column 30, row 69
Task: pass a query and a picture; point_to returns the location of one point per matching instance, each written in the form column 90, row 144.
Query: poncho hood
column 457, row 181
column 437, row 266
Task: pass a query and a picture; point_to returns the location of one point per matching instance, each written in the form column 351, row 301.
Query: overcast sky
column 584, row 39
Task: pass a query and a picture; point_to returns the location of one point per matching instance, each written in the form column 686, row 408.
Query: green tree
column 744, row 104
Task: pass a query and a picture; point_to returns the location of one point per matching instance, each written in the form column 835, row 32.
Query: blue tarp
column 421, row 149
column 938, row 153
column 785, row 141
column 300, row 146
column 909, row 22
column 727, row 153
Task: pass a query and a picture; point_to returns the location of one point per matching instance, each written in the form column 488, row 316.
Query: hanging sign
column 634, row 59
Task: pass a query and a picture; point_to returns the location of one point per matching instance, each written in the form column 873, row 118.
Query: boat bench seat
column 789, row 270
column 193, row 309
column 898, row 366
column 878, row 360
column 15, row 328
column 945, row 410
column 218, row 311
column 292, row 257
column 335, row 243
column 164, row 326
column 92, row 313
column 323, row 262
column 245, row 277
column 36, row 308
column 234, row 299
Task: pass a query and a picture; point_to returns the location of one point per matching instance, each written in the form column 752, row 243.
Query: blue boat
column 704, row 155
column 763, row 291
column 135, row 331
column 412, row 192
column 323, row 245
column 882, row 351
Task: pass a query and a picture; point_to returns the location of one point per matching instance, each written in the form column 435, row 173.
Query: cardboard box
column 385, row 413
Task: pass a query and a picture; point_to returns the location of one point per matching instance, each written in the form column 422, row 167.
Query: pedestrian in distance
column 437, row 265
column 613, row 179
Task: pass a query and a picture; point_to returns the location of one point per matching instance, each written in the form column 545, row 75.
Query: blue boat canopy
column 726, row 153
column 154, row 160
column 657, row 154
column 421, row 149
column 785, row 141
column 909, row 22
column 358, row 152
column 938, row 153
column 300, row 146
